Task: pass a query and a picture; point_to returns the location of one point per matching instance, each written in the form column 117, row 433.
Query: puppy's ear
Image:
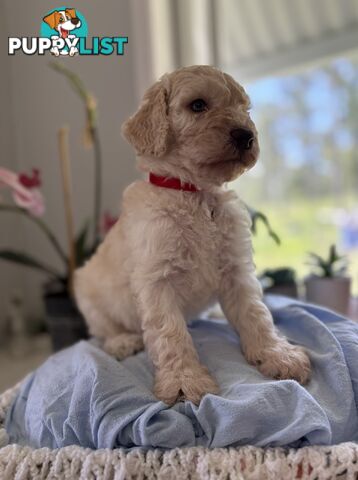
column 71, row 12
column 148, row 130
column 50, row 19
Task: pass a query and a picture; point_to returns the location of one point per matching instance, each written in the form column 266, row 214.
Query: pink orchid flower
column 30, row 181
column 24, row 190
column 107, row 222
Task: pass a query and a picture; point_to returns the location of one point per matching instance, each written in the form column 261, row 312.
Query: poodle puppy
column 182, row 241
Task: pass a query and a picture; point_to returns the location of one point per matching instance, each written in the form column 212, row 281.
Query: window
column 306, row 180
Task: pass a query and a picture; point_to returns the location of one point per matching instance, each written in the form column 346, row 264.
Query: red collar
column 169, row 182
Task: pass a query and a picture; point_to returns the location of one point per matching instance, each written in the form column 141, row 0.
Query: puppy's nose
column 75, row 20
column 243, row 138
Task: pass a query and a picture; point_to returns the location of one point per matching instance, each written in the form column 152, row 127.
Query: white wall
column 36, row 101
column 10, row 278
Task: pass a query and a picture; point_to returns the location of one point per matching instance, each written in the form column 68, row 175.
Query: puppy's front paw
column 282, row 361
column 191, row 384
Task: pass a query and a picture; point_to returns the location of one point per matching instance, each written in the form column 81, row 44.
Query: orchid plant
column 28, row 200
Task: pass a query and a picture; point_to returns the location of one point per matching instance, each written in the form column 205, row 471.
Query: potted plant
column 64, row 321
column 328, row 285
column 280, row 281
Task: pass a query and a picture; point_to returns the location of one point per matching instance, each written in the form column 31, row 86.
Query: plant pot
column 64, row 321
column 333, row 293
column 288, row 290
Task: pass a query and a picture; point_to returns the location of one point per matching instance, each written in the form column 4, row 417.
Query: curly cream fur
column 148, row 130
column 173, row 253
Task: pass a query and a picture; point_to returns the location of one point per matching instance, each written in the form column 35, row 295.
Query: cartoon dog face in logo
column 64, row 22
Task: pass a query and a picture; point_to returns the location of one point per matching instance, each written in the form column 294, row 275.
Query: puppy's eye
column 61, row 20
column 198, row 105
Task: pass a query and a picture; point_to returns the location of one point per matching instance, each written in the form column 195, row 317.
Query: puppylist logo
column 64, row 32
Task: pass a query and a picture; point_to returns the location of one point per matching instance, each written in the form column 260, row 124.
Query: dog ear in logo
column 52, row 19
column 71, row 12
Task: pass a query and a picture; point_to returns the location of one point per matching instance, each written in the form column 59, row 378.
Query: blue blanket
column 83, row 396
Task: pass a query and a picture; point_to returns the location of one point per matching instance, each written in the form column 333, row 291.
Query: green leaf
column 329, row 267
column 41, row 224
column 255, row 216
column 333, row 257
column 280, row 276
column 318, row 261
column 82, row 252
column 27, row 261
column 315, row 256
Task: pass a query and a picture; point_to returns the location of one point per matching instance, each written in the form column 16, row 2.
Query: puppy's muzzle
column 242, row 138
column 75, row 20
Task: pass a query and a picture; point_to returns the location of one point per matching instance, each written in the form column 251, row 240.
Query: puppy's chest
column 202, row 235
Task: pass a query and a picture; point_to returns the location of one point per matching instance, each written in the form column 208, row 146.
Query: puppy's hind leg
column 117, row 341
column 124, row 345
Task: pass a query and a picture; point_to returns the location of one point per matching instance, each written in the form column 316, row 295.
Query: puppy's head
column 63, row 21
column 194, row 123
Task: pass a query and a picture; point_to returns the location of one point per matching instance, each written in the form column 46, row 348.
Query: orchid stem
column 42, row 225
column 91, row 111
column 97, row 184
column 67, row 195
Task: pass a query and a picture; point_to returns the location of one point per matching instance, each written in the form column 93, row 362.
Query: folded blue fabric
column 83, row 396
